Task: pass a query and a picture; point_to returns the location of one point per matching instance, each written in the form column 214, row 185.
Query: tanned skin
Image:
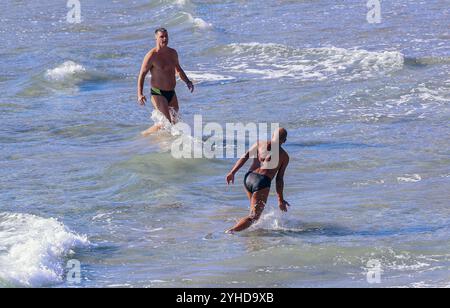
column 163, row 64
column 261, row 158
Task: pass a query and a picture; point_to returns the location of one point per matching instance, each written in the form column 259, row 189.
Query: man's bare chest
column 164, row 63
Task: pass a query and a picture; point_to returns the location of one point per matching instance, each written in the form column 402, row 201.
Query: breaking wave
column 270, row 61
column 33, row 249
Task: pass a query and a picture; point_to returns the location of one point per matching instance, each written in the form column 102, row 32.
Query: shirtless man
column 162, row 62
column 258, row 180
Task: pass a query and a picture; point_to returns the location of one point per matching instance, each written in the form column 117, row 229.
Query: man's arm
column 280, row 185
column 145, row 68
column 252, row 153
column 182, row 74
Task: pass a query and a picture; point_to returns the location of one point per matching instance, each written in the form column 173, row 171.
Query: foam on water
column 434, row 95
column 203, row 77
column 199, row 23
column 272, row 61
column 181, row 130
column 409, row 178
column 32, row 249
column 272, row 219
column 181, row 3
column 66, row 70
column 185, row 18
column 175, row 130
column 395, row 261
column 68, row 76
column 159, row 118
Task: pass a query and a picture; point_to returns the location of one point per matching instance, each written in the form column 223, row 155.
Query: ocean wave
column 72, row 73
column 181, row 3
column 68, row 69
column 387, row 104
column 184, row 18
column 271, row 61
column 66, row 76
column 205, row 77
column 424, row 100
column 32, row 249
column 199, row 23
column 434, row 94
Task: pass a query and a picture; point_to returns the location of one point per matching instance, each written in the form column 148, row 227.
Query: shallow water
column 366, row 107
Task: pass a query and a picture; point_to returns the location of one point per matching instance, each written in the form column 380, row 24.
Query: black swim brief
column 167, row 94
column 254, row 182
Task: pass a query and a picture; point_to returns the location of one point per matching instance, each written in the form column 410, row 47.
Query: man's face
column 162, row 39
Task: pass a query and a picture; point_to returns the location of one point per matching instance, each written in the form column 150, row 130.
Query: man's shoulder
column 151, row 53
column 173, row 51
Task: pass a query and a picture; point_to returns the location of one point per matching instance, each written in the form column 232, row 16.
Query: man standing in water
column 258, row 180
column 162, row 61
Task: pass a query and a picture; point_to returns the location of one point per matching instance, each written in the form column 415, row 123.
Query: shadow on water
column 100, row 251
column 319, row 145
column 324, row 145
column 299, row 229
column 426, row 61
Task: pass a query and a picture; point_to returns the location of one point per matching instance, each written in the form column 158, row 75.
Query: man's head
column 162, row 37
column 280, row 136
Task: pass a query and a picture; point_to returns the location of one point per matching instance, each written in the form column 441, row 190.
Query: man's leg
column 174, row 105
column 258, row 202
column 160, row 103
column 249, row 194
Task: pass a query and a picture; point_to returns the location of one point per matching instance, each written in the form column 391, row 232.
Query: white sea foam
column 406, row 262
column 202, row 77
column 199, row 23
column 184, row 18
column 159, row 119
column 410, row 178
column 155, row 230
column 369, row 182
column 272, row 61
column 423, row 100
column 181, row 3
column 174, row 129
column 32, row 249
column 434, row 95
column 66, row 70
column 271, row 219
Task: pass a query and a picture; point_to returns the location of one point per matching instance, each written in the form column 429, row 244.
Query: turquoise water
column 366, row 107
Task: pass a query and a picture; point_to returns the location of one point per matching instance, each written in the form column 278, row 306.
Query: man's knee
column 257, row 211
column 174, row 107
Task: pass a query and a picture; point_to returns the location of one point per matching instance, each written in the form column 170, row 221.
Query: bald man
column 258, row 179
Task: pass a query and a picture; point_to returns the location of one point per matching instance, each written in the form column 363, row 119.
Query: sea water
column 366, row 106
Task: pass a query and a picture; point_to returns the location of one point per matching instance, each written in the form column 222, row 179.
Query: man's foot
column 151, row 130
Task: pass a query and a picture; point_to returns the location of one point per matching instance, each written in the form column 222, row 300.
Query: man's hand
column 142, row 100
column 190, row 86
column 283, row 205
column 230, row 178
